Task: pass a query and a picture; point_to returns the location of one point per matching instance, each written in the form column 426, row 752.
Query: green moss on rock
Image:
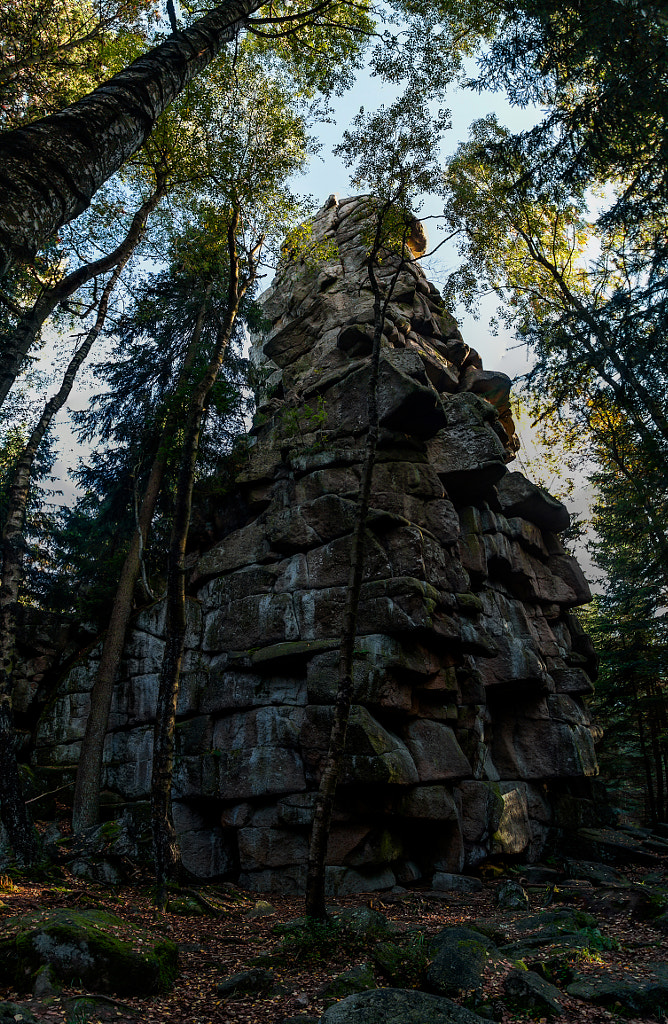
column 84, row 947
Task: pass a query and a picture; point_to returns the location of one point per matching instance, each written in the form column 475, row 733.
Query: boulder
column 86, row 947
column 460, row 956
column 404, row 961
column 358, row 979
column 643, row 995
column 397, row 1006
column 246, row 982
column 527, row 991
column 511, row 896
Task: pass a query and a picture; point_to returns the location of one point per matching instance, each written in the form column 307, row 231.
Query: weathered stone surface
column 638, row 996
column 258, row 753
column 434, row 803
column 542, row 749
column 251, row 622
column 513, row 834
column 519, row 497
column 459, row 961
column 511, row 896
column 468, row 666
column 494, row 386
column 206, row 851
column 435, row 751
column 397, row 1006
column 467, row 454
column 407, row 406
column 528, row 991
column 373, row 754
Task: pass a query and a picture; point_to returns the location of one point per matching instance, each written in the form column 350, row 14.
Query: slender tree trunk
column 16, row 345
column 658, row 773
column 662, row 716
column 51, row 169
column 85, row 810
column 322, row 813
column 658, row 746
column 167, row 856
column 15, row 816
column 650, row 802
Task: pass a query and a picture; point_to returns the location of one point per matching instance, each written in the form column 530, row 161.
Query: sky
column 327, row 174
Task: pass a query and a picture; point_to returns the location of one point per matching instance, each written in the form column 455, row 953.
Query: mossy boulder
column 364, row 921
column 460, row 956
column 186, row 906
column 87, row 947
column 404, row 961
column 11, row 1013
column 358, row 979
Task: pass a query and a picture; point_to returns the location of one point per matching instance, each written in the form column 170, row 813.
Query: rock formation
column 468, row 730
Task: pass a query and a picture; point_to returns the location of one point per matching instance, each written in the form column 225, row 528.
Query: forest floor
column 242, row 934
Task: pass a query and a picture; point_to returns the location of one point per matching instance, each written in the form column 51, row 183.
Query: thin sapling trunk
column 324, row 804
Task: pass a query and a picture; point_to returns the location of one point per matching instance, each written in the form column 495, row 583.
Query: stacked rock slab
column 469, row 664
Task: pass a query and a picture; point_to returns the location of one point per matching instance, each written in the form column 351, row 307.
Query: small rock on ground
column 261, row 909
column 445, row 882
column 245, row 982
column 528, row 991
column 511, row 896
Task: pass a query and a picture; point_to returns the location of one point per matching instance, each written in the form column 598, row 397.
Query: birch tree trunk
column 13, row 810
column 51, row 169
column 17, row 344
column 85, row 811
